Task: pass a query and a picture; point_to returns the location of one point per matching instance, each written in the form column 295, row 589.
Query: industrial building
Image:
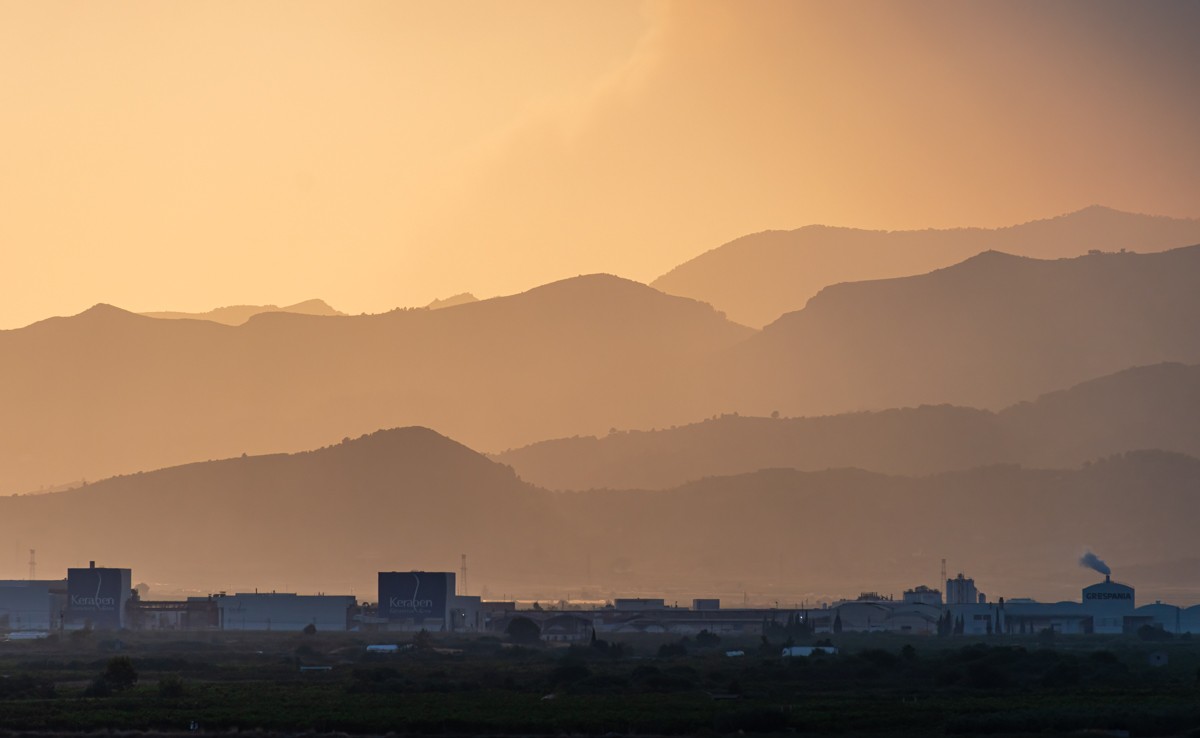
column 97, row 597
column 1105, row 607
column 101, row 598
column 285, row 612
column 424, row 600
column 32, row 605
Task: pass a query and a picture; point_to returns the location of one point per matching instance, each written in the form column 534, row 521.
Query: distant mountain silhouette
column 108, row 391
column 1019, row 532
column 1147, row 407
column 757, row 278
column 405, row 498
column 410, row 498
column 463, row 298
column 239, row 314
column 986, row 333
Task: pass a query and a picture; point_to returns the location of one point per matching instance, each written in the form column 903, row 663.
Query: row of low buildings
column 102, row 598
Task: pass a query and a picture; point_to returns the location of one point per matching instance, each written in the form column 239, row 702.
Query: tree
column 837, row 623
column 119, row 674
column 309, row 630
column 523, row 630
column 423, row 640
column 706, row 639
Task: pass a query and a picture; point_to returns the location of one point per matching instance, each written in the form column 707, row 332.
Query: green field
column 878, row 684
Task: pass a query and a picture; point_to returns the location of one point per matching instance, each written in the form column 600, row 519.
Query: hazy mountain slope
column 1150, row 407
column 406, row 498
column 909, row 441
column 1018, row 532
column 1147, row 407
column 108, row 392
column 463, row 298
column 759, row 277
column 238, row 314
column 411, row 498
column 988, row 332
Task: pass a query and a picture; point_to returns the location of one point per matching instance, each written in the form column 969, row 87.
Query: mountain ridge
column 758, row 277
column 494, row 372
column 1155, row 406
column 238, row 314
column 410, row 498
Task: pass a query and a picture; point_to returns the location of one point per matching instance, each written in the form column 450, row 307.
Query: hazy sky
column 185, row 155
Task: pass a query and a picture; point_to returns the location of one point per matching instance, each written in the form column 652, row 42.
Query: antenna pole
column 464, row 575
column 32, row 564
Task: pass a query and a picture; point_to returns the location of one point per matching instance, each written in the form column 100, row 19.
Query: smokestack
column 1092, row 561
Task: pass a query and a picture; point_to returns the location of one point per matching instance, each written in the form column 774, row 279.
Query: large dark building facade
column 97, row 597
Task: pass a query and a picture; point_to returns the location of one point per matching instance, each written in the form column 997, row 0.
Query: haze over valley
column 770, row 301
column 979, row 391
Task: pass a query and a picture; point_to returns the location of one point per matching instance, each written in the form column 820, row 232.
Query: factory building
column 194, row 613
column 915, row 613
column 1109, row 604
column 31, row 605
column 97, row 598
column 285, row 612
column 639, row 603
column 102, row 598
column 1106, row 607
column 417, row 600
column 961, row 591
column 1171, row 618
column 922, row 595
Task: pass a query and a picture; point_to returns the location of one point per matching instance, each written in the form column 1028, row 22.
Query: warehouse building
column 31, row 605
column 1106, row 607
column 285, row 612
column 1171, row 618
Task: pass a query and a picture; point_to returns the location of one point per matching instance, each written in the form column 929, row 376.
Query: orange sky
column 186, row 155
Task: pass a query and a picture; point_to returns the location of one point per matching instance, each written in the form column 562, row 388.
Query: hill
column 108, row 392
column 404, row 498
column 1018, row 532
column 464, row 298
column 1147, row 407
column 410, row 498
column 986, row 333
column 238, row 314
column 759, row 277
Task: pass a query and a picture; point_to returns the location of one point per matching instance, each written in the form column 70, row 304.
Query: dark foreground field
column 878, row 685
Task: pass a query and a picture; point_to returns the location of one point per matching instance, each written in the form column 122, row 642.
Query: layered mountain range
column 108, row 392
column 238, row 314
column 988, row 332
column 1154, row 407
column 411, row 498
column 885, row 424
column 759, row 277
